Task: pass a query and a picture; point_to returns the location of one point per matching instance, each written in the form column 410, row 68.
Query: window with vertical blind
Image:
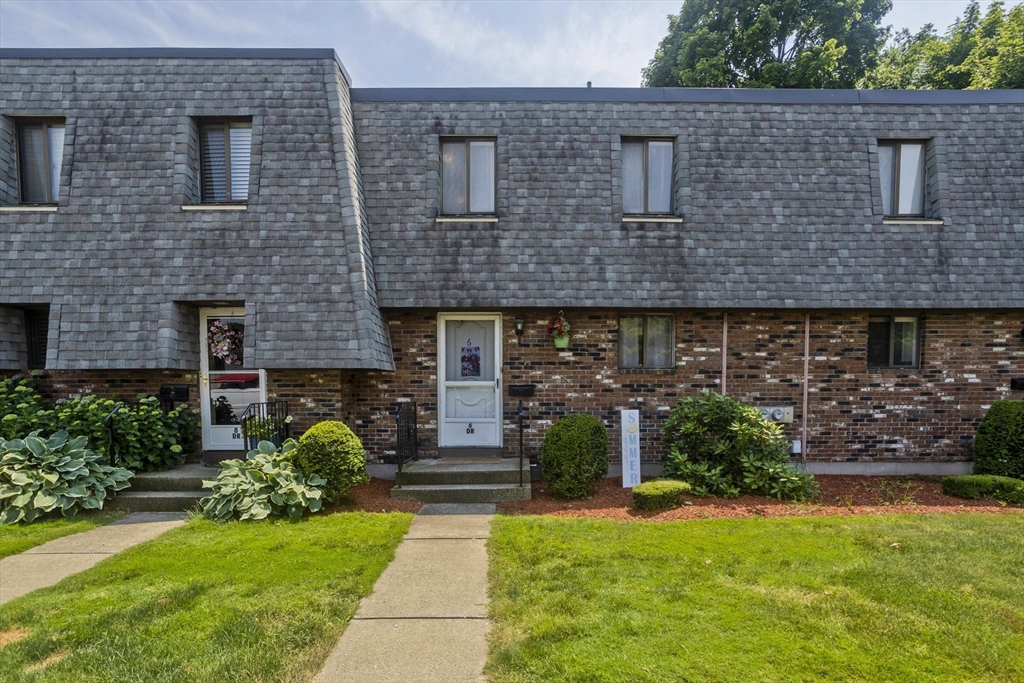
column 468, row 176
column 646, row 341
column 225, row 150
column 893, row 341
column 902, row 171
column 40, row 153
column 646, row 176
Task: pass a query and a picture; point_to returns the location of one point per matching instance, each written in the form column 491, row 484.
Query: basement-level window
column 646, row 341
column 901, row 168
column 225, row 151
column 893, row 341
column 40, row 156
column 646, row 176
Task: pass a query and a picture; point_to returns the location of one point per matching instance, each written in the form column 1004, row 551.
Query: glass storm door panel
column 470, row 372
column 228, row 387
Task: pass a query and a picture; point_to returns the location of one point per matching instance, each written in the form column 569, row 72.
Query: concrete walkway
column 50, row 562
column 426, row 621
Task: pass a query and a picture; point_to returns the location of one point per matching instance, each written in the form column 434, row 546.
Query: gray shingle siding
column 780, row 206
column 13, row 352
column 126, row 269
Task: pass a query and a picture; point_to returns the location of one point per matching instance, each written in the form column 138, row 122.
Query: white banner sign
column 630, row 448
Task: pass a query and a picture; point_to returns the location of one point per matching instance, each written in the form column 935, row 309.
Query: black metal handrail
column 108, row 422
column 520, row 442
column 407, row 446
column 265, row 422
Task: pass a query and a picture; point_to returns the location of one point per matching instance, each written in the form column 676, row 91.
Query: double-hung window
column 901, row 168
column 893, row 341
column 40, row 153
column 646, row 341
column 646, row 176
column 225, row 150
column 468, row 176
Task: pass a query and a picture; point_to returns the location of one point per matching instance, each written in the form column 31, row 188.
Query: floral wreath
column 224, row 342
column 559, row 326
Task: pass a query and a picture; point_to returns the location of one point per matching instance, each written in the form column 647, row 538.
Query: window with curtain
column 893, row 341
column 901, row 168
column 467, row 176
column 40, row 153
column 647, row 176
column 225, row 150
column 646, row 341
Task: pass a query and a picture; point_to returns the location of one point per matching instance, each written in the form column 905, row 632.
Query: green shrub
column 41, row 475
column 574, row 455
column 1005, row 489
column 660, row 494
column 20, row 408
column 333, row 452
column 999, row 446
column 724, row 448
column 266, row 483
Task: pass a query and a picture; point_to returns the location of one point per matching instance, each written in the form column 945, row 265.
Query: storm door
column 469, row 379
column 227, row 386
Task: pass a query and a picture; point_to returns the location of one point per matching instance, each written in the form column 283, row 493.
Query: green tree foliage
column 977, row 51
column 769, row 44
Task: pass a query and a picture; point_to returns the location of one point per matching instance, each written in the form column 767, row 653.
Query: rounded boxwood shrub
column 659, row 494
column 574, row 455
column 999, row 446
column 1005, row 489
column 331, row 450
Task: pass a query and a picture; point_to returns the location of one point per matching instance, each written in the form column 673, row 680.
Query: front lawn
column 885, row 598
column 17, row 538
column 255, row 601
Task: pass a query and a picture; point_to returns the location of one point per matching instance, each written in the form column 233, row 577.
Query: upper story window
column 468, row 175
column 646, row 176
column 225, row 151
column 646, row 341
column 40, row 153
column 893, row 341
column 901, row 167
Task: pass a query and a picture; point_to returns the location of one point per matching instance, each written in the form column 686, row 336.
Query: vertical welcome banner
column 630, row 448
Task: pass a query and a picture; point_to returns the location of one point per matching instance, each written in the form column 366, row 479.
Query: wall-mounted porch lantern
column 520, row 326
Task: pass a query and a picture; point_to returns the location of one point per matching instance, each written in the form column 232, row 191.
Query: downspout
column 807, row 360
column 725, row 346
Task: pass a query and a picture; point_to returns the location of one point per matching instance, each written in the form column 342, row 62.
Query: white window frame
column 467, row 140
column 897, row 147
column 646, row 141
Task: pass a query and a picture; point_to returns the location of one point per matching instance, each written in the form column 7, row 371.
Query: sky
column 399, row 43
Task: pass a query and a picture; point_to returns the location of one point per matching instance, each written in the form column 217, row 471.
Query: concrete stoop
column 176, row 490
column 449, row 481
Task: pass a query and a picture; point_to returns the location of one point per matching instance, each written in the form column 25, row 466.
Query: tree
column 769, row 44
column 976, row 52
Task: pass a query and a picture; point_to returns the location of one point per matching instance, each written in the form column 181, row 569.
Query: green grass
column 17, row 538
column 254, row 601
column 812, row 599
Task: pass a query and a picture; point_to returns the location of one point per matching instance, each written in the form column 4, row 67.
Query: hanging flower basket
column 225, row 343
column 559, row 328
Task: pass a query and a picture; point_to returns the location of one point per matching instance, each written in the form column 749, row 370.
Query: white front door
column 469, row 379
column 227, row 387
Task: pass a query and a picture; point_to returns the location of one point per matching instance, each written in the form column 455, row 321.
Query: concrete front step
column 462, row 493
column 187, row 477
column 157, row 501
column 450, row 472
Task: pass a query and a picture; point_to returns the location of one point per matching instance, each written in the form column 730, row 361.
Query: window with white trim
column 646, row 176
column 468, row 176
column 902, row 171
column 40, row 156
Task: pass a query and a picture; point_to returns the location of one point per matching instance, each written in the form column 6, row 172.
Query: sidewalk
column 426, row 621
column 50, row 562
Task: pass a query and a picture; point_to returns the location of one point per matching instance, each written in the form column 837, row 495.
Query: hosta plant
column 40, row 475
column 265, row 483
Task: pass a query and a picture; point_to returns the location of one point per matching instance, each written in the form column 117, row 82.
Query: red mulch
column 840, row 495
column 376, row 497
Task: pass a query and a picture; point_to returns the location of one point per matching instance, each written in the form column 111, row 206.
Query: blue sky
column 398, row 43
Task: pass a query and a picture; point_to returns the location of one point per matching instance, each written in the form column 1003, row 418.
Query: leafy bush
column 999, row 446
column 266, row 483
column 660, row 494
column 38, row 476
column 724, row 448
column 331, row 450
column 147, row 437
column 1006, row 489
column 574, row 455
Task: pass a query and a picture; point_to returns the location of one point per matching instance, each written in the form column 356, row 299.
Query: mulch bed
column 376, row 497
column 840, row 495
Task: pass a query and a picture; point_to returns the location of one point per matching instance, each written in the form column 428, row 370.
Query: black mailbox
column 1017, row 384
column 524, row 390
column 174, row 392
